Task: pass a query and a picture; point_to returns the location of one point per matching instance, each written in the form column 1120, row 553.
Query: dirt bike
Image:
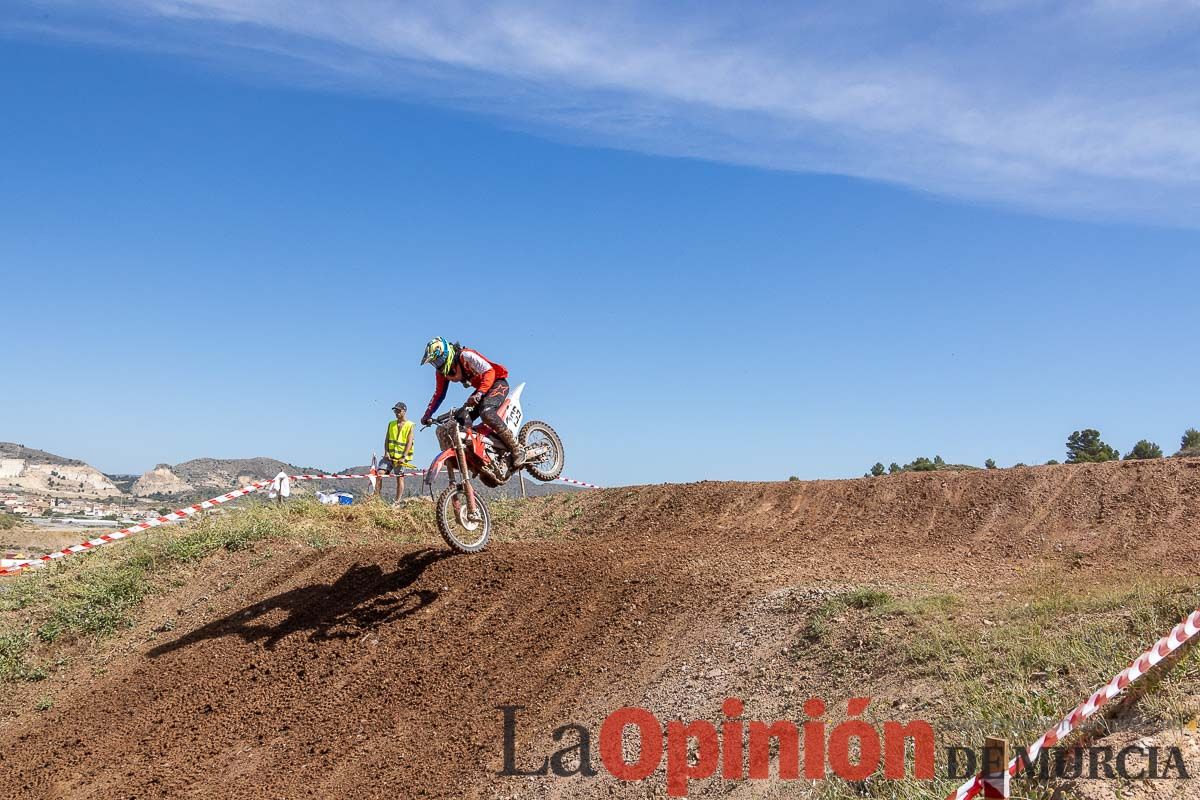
column 470, row 451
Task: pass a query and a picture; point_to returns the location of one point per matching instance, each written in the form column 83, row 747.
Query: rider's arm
column 439, row 394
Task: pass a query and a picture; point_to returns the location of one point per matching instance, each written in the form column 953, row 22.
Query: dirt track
column 376, row 671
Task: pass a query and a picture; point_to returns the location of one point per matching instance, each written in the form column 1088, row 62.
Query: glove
column 462, row 416
column 426, row 420
column 475, row 399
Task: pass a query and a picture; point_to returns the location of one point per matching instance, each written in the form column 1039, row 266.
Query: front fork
column 460, row 452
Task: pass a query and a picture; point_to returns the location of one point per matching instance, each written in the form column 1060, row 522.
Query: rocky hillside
column 161, row 482
column 38, row 472
column 20, row 451
column 209, row 475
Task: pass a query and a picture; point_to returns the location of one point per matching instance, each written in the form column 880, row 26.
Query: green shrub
column 14, row 658
column 1143, row 450
column 818, row 625
column 865, row 598
column 1189, row 444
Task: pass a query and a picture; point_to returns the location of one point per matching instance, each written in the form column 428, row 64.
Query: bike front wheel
column 462, row 531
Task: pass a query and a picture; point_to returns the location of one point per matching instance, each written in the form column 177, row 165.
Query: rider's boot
column 514, row 447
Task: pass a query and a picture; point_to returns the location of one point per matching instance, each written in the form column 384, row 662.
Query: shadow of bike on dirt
column 360, row 600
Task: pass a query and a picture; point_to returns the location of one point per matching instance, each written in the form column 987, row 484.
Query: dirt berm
column 377, row 670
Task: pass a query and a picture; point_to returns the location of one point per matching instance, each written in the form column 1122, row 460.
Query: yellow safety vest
column 397, row 439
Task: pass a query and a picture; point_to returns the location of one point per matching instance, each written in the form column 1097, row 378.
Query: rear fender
column 510, row 410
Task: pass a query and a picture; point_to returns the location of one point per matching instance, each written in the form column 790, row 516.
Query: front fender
column 437, row 465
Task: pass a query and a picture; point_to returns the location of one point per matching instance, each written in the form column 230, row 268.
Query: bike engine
column 498, row 470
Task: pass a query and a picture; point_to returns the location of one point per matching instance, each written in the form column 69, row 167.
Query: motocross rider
column 453, row 362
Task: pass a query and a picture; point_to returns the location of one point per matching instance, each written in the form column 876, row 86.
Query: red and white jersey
column 470, row 368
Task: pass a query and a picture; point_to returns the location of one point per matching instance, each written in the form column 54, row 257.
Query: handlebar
column 444, row 418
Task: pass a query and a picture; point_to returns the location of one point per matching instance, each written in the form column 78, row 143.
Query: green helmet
column 441, row 354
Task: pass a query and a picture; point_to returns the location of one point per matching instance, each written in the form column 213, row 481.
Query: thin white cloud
column 1088, row 109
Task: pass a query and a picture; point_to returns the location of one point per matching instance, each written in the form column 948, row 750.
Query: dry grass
column 1040, row 656
column 1010, row 668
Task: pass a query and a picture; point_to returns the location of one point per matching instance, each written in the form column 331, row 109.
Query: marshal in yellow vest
column 398, row 436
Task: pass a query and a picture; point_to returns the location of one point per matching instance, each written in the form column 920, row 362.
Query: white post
column 281, row 487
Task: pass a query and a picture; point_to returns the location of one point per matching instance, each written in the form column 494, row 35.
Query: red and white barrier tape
column 367, row 475
column 580, row 483
column 108, row 538
column 1179, row 635
column 410, row 475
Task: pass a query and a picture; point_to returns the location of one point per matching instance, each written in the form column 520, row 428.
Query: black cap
column 400, row 406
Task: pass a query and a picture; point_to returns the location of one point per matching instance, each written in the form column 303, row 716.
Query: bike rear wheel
column 537, row 434
column 463, row 534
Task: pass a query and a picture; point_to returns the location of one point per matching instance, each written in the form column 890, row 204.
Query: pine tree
column 1085, row 447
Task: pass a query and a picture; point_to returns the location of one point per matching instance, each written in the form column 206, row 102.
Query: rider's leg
column 488, row 411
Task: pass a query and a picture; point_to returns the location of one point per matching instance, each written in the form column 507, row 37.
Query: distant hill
column 207, row 476
column 201, row 478
column 38, row 472
column 11, row 450
column 216, row 473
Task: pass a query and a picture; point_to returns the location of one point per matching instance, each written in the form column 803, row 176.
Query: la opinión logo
column 633, row 745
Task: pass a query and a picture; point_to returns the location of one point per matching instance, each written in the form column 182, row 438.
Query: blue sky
column 790, row 243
